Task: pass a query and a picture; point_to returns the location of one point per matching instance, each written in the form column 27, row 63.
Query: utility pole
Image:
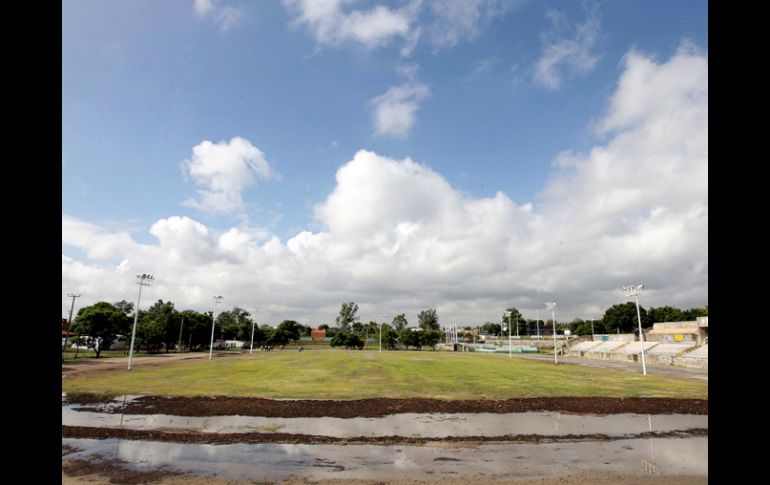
column 69, row 323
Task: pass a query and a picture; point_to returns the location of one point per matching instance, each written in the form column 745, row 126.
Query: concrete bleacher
column 671, row 350
column 607, row 347
column 584, row 346
column 635, row 348
column 699, row 352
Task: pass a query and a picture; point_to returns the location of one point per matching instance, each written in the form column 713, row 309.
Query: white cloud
column 394, row 111
column 226, row 17
column 395, row 236
column 330, row 25
column 458, row 19
column 566, row 56
column 224, row 170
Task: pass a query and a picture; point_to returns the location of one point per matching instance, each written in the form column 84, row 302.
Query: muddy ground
column 370, row 408
column 191, row 436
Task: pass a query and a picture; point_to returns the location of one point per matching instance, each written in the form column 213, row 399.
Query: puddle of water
column 407, row 424
column 660, row 456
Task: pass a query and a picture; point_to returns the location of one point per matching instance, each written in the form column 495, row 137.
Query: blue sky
column 504, row 107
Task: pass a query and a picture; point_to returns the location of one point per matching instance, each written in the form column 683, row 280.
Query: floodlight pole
column 144, row 280
column 217, row 299
column 181, row 326
column 253, row 324
column 69, row 324
column 510, row 344
column 380, row 317
column 551, row 305
column 634, row 290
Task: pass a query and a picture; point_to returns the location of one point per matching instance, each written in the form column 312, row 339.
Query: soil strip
column 369, row 408
column 182, row 436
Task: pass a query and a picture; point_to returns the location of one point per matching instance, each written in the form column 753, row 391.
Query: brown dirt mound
column 245, row 406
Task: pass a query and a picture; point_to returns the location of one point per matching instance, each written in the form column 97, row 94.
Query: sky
column 462, row 155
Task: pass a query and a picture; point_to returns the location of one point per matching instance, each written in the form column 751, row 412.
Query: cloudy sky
column 464, row 155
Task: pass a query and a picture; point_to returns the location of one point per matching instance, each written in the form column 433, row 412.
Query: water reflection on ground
column 659, row 456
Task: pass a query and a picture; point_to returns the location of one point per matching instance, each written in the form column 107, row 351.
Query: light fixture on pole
column 253, row 324
column 380, row 317
column 634, row 290
column 551, row 305
column 144, row 280
column 69, row 324
column 217, row 299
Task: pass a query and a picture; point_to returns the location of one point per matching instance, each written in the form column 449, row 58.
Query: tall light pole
column 181, row 327
column 69, row 323
column 380, row 317
column 144, row 280
column 217, row 299
column 551, row 305
column 634, row 290
column 537, row 321
column 253, row 324
column 510, row 348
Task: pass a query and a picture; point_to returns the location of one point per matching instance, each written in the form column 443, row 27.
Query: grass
column 358, row 375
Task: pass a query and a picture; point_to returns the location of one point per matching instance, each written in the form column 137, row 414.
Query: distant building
column 317, row 335
column 673, row 332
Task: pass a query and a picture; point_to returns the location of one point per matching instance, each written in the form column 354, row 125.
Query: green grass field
column 358, row 375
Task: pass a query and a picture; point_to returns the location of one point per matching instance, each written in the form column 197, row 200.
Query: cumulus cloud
column 564, row 54
column 395, row 236
column 331, row 25
column 223, row 171
column 226, row 17
column 394, row 111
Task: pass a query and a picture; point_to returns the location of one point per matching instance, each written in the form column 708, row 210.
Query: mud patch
column 181, row 436
column 377, row 407
column 116, row 471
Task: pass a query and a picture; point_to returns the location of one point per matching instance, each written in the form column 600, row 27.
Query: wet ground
column 525, row 441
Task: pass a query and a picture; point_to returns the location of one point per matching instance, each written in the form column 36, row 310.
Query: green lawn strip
column 358, row 375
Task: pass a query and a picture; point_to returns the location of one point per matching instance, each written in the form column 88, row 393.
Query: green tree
column 100, row 321
column 514, row 319
column 410, row 338
column 399, row 322
column 623, row 316
column 158, row 326
column 428, row 320
column 126, row 307
column 431, row 338
column 389, row 337
column 197, row 329
column 323, row 326
column 490, row 328
column 694, row 313
column 347, row 340
column 293, row 329
column 665, row 314
column 347, row 315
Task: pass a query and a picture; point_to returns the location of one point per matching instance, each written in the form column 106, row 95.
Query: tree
column 428, row 320
column 389, row 337
column 490, row 328
column 100, row 321
column 347, row 315
column 694, row 313
column 623, row 316
column 347, row 340
column 293, row 329
column 159, row 325
column 399, row 322
column 197, row 328
column 514, row 319
column 431, row 338
column 409, row 337
column 323, row 326
column 580, row 327
column 279, row 336
column 124, row 306
column 665, row 314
